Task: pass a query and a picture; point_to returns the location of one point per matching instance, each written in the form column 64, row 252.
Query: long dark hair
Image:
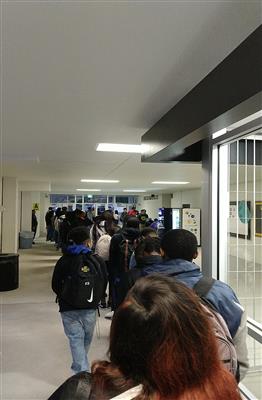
column 161, row 337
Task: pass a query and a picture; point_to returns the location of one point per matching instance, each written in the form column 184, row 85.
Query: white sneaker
column 109, row 315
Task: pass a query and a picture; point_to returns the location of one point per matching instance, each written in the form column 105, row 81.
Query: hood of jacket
column 221, row 296
column 176, row 267
column 76, row 249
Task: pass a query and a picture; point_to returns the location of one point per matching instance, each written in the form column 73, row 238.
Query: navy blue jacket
column 221, row 296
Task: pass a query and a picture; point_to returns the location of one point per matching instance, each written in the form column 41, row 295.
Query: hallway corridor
column 35, row 353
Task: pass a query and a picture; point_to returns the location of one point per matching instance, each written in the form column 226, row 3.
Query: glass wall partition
column 240, row 236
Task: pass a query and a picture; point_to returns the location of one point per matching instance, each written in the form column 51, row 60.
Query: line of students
column 171, row 260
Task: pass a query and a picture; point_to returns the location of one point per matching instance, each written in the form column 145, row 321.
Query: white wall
column 10, row 215
column 152, row 206
column 36, row 198
column 192, row 197
column 44, row 204
column 26, row 211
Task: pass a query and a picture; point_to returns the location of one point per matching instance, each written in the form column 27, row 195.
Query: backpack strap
column 202, row 287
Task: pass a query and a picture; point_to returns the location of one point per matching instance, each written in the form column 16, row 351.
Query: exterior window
column 71, row 199
column 58, row 198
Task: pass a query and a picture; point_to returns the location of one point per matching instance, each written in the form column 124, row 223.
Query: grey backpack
column 226, row 348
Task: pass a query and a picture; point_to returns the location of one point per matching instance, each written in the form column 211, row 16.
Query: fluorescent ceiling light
column 134, row 190
column 219, row 133
column 169, row 183
column 121, row 148
column 88, row 190
column 100, row 180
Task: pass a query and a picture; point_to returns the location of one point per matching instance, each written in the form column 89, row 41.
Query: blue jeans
column 79, row 327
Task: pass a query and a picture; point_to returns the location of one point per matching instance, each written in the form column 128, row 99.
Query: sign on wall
column 36, row 207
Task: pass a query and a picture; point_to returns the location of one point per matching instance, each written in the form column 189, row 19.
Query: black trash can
column 9, row 272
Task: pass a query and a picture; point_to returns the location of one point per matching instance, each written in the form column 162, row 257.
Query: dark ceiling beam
column 222, row 96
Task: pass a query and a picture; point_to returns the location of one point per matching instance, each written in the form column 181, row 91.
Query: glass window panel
column 240, row 237
column 99, row 198
column 71, row 198
column 122, row 199
column 58, row 198
column 79, row 199
column 88, row 198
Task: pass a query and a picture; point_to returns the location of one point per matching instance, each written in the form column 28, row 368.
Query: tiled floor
column 35, row 352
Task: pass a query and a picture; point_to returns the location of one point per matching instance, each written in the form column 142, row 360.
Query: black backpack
column 83, row 287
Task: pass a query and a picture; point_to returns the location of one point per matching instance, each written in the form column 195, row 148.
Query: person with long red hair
column 162, row 347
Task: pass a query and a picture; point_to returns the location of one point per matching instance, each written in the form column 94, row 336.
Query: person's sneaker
column 109, row 315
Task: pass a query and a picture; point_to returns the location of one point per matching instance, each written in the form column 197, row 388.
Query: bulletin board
column 191, row 222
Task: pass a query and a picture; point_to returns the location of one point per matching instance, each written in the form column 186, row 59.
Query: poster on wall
column 35, row 206
column 259, row 218
column 240, row 219
column 191, row 222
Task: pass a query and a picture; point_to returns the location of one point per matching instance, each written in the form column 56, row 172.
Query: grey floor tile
column 35, row 353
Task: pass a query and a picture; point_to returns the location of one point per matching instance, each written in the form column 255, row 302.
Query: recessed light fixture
column 120, row 148
column 134, row 190
column 88, row 190
column 100, row 180
column 169, row 183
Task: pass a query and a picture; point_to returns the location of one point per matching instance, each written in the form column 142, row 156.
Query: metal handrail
column 254, row 329
column 246, row 393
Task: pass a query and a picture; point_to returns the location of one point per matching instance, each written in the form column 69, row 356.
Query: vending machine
column 170, row 218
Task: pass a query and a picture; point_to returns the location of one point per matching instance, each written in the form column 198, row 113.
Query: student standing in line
column 78, row 280
column 179, row 249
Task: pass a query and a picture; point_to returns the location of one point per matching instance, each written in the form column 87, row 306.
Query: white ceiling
column 76, row 73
